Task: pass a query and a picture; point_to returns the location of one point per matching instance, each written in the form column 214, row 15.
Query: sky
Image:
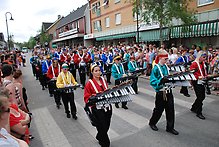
column 28, row 15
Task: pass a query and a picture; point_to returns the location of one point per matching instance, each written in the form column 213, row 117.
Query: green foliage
column 164, row 11
column 44, row 38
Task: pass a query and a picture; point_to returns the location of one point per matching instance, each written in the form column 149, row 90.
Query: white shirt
column 173, row 58
column 9, row 142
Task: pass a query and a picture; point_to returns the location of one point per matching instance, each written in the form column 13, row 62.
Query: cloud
column 29, row 14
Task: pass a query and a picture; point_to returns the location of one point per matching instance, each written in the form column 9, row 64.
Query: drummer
column 52, row 75
column 66, row 79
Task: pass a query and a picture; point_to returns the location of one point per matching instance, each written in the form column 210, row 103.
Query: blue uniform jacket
column 105, row 58
column 44, row 66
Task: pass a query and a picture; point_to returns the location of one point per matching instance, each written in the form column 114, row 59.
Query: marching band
column 59, row 71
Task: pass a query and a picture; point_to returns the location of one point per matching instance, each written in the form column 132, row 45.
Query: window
column 107, row 22
column 205, row 2
column 118, row 18
column 95, row 7
column 97, row 25
column 105, row 3
column 117, row 1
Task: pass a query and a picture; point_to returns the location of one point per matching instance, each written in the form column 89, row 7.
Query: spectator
column 6, row 139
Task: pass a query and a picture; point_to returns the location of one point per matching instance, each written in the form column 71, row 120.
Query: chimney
column 59, row 16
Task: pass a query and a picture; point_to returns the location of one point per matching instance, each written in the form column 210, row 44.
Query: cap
column 117, row 58
column 48, row 57
column 64, row 65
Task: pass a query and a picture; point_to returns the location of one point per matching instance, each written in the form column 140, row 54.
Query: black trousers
column 200, row 96
column 33, row 69
column 69, row 98
column 103, row 123
column 57, row 97
column 52, row 90
column 160, row 105
column 82, row 74
column 184, row 90
column 117, row 82
column 135, row 85
column 108, row 72
column 51, row 86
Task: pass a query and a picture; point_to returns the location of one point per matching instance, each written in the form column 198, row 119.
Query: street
column 129, row 128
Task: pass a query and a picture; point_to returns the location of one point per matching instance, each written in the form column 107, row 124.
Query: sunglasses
column 166, row 59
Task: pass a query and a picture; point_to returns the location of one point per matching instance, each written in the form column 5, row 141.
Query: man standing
column 117, row 73
column 164, row 98
column 66, row 79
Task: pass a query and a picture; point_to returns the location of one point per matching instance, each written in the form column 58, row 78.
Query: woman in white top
column 173, row 57
column 6, row 139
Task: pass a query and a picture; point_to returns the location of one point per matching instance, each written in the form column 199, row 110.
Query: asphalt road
column 129, row 128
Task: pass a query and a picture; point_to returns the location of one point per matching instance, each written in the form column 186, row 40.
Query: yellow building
column 112, row 21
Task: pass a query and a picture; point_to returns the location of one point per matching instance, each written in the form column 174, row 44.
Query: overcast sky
column 29, row 14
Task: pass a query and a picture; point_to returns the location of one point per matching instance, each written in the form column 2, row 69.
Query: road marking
column 132, row 118
column 85, row 122
column 149, row 104
column 50, row 133
column 176, row 100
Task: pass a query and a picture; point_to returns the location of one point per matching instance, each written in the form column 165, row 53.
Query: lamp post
column 7, row 27
column 137, row 3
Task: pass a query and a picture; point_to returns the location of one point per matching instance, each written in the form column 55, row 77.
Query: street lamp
column 7, row 27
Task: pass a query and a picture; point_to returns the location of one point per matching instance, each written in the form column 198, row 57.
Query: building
column 112, row 22
column 3, row 44
column 51, row 31
column 71, row 29
column 204, row 33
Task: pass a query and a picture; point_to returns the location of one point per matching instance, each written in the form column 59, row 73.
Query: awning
column 153, row 35
column 54, row 46
column 118, row 36
column 196, row 30
column 68, row 37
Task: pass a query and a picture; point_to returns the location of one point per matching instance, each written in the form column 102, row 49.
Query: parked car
column 24, row 49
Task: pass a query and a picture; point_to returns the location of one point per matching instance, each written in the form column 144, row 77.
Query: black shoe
column 124, row 107
column 173, row 131
column 187, row 95
column 154, row 127
column 51, row 95
column 68, row 115
column 58, row 106
column 43, row 88
column 200, row 116
column 117, row 105
column 74, row 116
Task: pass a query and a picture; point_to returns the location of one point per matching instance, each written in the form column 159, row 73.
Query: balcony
column 99, row 29
column 67, row 33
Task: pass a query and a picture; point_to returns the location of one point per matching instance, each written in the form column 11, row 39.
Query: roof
column 46, row 25
column 80, row 12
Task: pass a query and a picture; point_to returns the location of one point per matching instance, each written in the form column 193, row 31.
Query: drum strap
column 53, row 73
column 68, row 78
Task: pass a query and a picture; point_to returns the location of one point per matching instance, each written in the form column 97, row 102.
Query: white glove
column 124, row 75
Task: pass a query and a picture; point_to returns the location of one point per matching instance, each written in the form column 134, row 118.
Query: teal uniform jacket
column 117, row 75
column 155, row 77
column 127, row 57
column 132, row 65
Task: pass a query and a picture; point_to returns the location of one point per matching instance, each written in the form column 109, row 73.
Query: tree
column 31, row 42
column 164, row 11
